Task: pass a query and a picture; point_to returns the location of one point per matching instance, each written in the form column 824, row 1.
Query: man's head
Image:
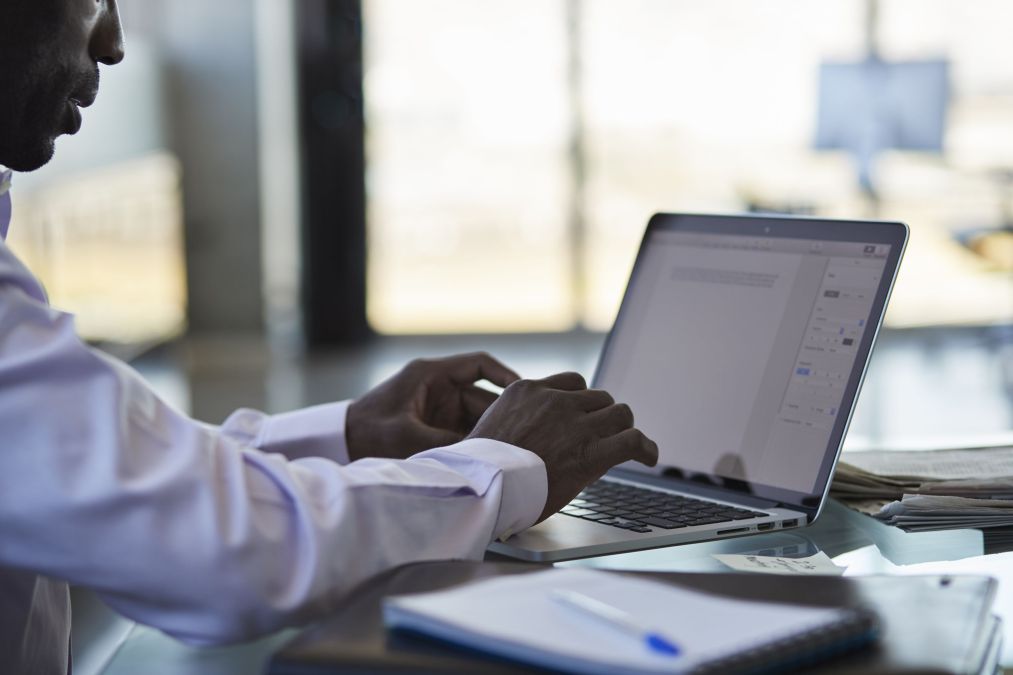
column 49, row 56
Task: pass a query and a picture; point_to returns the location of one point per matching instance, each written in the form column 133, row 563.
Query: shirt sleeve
column 189, row 527
column 311, row 432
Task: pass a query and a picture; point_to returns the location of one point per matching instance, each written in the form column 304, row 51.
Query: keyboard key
column 662, row 523
column 597, row 516
column 610, row 521
column 573, row 511
column 708, row 520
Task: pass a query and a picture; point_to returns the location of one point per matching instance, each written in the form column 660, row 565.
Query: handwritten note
column 818, row 564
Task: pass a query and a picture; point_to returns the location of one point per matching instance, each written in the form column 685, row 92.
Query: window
column 468, row 181
column 516, row 149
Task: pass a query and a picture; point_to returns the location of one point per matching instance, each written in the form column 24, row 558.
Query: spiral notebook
column 516, row 618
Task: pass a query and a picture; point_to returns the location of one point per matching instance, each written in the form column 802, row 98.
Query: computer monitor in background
column 875, row 105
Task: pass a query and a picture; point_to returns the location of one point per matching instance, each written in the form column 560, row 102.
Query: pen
column 616, row 618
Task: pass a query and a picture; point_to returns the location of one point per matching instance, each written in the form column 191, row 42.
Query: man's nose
column 107, row 40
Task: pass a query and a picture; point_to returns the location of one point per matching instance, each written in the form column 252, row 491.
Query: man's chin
column 24, row 160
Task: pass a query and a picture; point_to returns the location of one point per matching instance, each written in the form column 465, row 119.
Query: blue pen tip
column 661, row 645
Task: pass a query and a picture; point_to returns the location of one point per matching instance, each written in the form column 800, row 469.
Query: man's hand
column 579, row 433
column 429, row 404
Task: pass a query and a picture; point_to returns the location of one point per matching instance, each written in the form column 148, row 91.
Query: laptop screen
column 736, row 351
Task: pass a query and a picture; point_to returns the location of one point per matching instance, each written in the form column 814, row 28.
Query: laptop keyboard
column 639, row 509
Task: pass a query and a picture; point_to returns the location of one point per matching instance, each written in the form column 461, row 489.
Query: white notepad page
column 515, row 616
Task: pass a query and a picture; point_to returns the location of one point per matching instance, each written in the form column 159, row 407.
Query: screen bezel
column 894, row 234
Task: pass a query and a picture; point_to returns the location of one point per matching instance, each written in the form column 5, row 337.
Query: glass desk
column 857, row 542
column 932, row 383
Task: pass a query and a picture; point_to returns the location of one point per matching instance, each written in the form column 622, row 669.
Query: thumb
column 627, row 445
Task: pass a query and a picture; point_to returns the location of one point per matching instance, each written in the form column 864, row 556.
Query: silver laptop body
column 741, row 346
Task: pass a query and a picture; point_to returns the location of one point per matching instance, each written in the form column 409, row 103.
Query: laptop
column 740, row 345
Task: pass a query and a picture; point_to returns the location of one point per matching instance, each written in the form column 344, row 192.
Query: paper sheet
column 817, row 564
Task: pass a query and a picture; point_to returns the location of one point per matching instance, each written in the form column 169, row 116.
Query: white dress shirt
column 211, row 534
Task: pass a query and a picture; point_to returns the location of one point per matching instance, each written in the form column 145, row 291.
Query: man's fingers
column 475, row 401
column 468, row 368
column 590, row 400
column 627, row 445
column 564, row 382
column 611, row 420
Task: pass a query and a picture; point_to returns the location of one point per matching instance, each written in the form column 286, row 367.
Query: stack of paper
column 930, row 490
column 917, row 513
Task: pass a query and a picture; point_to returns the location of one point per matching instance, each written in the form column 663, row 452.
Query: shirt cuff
column 525, row 486
column 310, row 432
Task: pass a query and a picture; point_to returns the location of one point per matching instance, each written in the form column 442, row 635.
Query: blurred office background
column 276, row 202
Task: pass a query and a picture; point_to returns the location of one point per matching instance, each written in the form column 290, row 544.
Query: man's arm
column 188, row 529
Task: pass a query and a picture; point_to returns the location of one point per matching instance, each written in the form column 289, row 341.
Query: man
column 216, row 534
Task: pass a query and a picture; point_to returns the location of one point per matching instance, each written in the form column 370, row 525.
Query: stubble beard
column 33, row 99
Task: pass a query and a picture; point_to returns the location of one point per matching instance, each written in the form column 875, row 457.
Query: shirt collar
column 5, row 201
